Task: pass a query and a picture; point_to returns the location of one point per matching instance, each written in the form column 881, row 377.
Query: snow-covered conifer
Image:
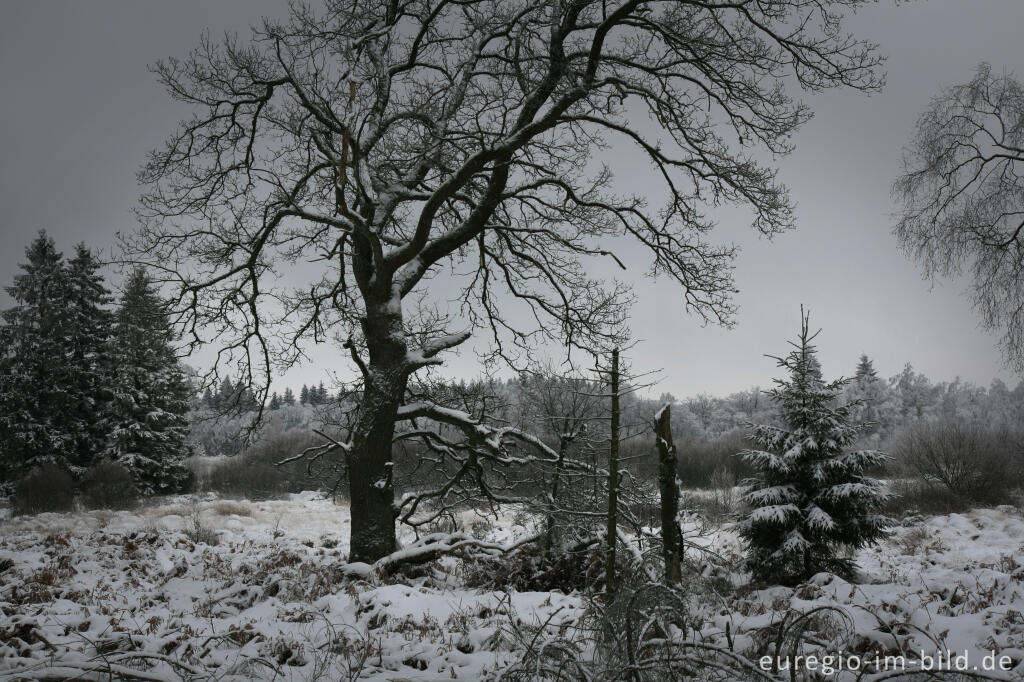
column 51, row 362
column 89, row 354
column 152, row 392
column 811, row 501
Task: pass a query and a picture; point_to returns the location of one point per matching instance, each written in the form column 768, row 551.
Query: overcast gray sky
column 79, row 111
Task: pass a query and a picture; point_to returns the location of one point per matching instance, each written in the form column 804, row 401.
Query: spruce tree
column 304, row 394
column 51, row 364
column 89, row 354
column 226, row 395
column 275, row 402
column 869, row 395
column 810, row 500
column 289, row 397
column 865, row 370
column 152, row 392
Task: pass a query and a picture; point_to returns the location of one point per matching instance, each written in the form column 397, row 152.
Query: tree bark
column 371, row 489
column 613, row 483
column 669, row 495
column 549, row 533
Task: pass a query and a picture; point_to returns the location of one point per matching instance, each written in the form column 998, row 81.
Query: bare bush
column 973, row 461
column 197, row 531
column 701, row 461
column 912, row 497
column 47, row 489
column 108, row 485
column 253, row 474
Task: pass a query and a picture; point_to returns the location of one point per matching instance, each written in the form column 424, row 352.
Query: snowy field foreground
column 133, row 594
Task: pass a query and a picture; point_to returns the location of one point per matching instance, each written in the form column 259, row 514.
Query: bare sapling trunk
column 613, row 482
column 669, row 494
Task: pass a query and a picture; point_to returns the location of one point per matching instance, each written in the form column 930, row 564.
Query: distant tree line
column 886, row 405
column 239, row 397
column 87, row 381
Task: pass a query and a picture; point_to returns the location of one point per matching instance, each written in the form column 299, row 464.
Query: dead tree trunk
column 613, row 482
column 669, row 494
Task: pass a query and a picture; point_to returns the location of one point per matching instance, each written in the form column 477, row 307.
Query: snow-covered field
column 84, row 595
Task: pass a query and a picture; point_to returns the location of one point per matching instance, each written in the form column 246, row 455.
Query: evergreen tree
column 810, row 499
column 152, row 391
column 89, row 354
column 865, row 372
column 226, row 394
column 869, row 397
column 304, row 395
column 321, row 394
column 51, row 363
column 289, row 397
column 275, row 402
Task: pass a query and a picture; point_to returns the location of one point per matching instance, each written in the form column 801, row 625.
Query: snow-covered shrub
column 46, row 489
column 580, row 568
column 108, row 485
column 646, row 633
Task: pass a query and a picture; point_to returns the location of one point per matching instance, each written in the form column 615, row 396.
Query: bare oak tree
column 387, row 145
column 963, row 198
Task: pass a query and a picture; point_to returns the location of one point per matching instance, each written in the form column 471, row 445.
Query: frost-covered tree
column 51, row 364
column 914, row 393
column 870, row 398
column 811, row 501
column 148, row 436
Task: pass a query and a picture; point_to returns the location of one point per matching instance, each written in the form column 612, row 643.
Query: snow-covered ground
column 86, row 594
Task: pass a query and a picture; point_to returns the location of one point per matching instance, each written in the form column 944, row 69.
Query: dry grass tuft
column 231, row 508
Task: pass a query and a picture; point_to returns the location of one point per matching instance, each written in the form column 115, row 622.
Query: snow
column 276, row 599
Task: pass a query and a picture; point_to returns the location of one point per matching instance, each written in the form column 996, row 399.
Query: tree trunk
column 549, row 533
column 613, row 483
column 371, row 489
column 669, row 495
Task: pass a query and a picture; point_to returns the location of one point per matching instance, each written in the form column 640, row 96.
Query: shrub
column 973, row 461
column 704, row 463
column 254, row 475
column 48, row 488
column 108, row 485
column 197, row 531
column 911, row 497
